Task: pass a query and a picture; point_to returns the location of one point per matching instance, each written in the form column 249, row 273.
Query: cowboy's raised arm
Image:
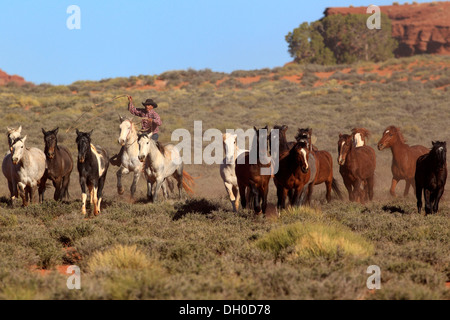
column 133, row 109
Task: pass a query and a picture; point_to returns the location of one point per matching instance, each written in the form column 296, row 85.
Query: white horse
column 129, row 162
column 227, row 168
column 24, row 168
column 161, row 162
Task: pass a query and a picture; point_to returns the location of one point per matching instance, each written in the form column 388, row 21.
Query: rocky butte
column 419, row 28
column 6, row 78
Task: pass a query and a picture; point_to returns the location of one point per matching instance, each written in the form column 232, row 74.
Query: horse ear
column 56, row 130
column 255, row 129
column 20, row 129
column 43, row 131
column 90, row 132
column 340, row 135
column 433, row 143
column 78, row 132
column 24, row 138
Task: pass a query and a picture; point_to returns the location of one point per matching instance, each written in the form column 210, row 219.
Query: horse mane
column 363, row 131
column 160, row 147
column 399, row 133
column 302, row 132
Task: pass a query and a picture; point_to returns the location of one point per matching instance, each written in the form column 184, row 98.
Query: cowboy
column 150, row 119
column 151, row 122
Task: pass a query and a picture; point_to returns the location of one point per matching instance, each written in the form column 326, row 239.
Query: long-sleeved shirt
column 147, row 124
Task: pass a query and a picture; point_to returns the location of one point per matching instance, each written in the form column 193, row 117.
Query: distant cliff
column 419, row 28
column 6, row 78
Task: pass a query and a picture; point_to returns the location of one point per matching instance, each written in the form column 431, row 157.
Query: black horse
column 431, row 175
column 93, row 162
column 59, row 165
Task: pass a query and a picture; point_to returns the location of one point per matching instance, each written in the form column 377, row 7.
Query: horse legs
column 83, row 195
column 329, row 185
column 137, row 175
column 359, row 194
column 242, row 188
column 438, row 196
column 419, row 198
column 65, row 187
column 58, row 189
column 99, row 196
column 349, row 187
column 22, row 193
column 427, row 201
column 408, row 184
column 229, row 188
column 264, row 192
column 256, row 199
column 159, row 182
column 122, row 170
column 310, row 191
column 393, row 185
column 281, row 195
column 149, row 191
column 12, row 185
column 42, row 186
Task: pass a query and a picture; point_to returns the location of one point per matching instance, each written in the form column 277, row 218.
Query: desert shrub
column 311, row 240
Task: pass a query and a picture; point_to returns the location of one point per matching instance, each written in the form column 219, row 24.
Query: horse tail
column 336, row 189
column 188, row 183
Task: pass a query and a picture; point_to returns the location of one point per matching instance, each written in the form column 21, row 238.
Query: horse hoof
column 120, row 191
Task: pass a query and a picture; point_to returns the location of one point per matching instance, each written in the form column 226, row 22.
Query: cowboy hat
column 150, row 102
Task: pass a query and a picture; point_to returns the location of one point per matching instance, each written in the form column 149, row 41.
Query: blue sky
column 133, row 37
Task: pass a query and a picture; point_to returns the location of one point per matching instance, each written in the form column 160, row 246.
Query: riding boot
column 116, row 160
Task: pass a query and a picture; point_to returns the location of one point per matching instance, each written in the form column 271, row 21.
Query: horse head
column 126, row 127
column 360, row 135
column 345, row 144
column 84, row 144
column 440, row 152
column 17, row 149
column 51, row 142
column 301, row 152
column 230, row 147
column 390, row 136
column 305, row 136
column 13, row 134
column 144, row 140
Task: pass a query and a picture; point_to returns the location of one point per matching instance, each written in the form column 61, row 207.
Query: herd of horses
column 303, row 166
column 27, row 169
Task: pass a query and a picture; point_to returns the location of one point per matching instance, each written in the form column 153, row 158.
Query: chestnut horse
column 250, row 176
column 360, row 135
column 324, row 165
column 294, row 175
column 431, row 176
column 404, row 157
column 357, row 167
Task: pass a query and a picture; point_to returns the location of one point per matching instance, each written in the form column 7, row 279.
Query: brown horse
column 357, row 167
column 360, row 136
column 294, row 175
column 250, row 176
column 59, row 165
column 324, row 165
column 404, row 157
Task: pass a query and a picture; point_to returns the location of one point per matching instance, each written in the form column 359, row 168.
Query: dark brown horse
column 294, row 175
column 324, row 165
column 404, row 157
column 357, row 168
column 59, row 165
column 252, row 176
column 431, row 176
